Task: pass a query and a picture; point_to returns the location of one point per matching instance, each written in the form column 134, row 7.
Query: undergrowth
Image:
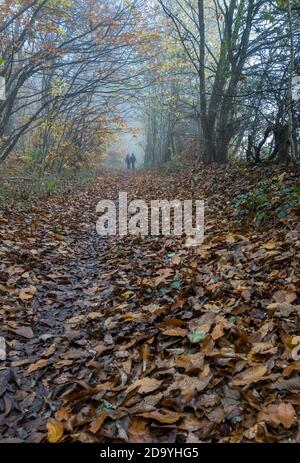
column 19, row 187
column 266, row 200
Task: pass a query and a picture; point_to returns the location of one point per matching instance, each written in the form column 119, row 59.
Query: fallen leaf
column 249, row 376
column 262, row 348
column 190, row 423
column 27, row 293
column 176, row 260
column 144, row 385
column 128, row 294
column 164, row 416
column 37, row 366
column 218, row 332
column 283, row 413
column 292, row 384
column 24, row 331
column 55, row 431
column 138, row 431
column 271, row 245
column 283, row 309
column 98, row 422
column 284, row 296
column 176, row 332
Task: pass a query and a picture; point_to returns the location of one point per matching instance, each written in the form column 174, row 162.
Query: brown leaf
column 216, row 415
column 188, row 393
column 292, row 384
column 138, row 432
column 283, row 413
column 164, row 275
column 190, row 423
column 36, row 366
column 176, row 260
column 283, row 309
column 98, row 422
column 263, row 348
column 180, row 332
column 178, row 304
column 27, row 293
column 135, row 317
column 249, row 376
column 144, row 385
column 14, row 269
column 164, row 416
column 63, row 414
column 24, row 331
column 127, row 365
column 190, row 361
column 218, row 332
column 284, row 296
column 145, row 354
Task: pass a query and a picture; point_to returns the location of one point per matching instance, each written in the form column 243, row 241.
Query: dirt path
column 141, row 339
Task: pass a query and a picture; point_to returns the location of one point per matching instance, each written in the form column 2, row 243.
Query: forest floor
column 142, row 339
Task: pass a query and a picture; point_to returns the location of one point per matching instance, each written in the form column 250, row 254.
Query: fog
column 131, row 140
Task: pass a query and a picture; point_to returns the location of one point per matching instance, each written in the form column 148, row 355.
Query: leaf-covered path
column 144, row 339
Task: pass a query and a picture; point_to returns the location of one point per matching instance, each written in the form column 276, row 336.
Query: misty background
column 130, row 140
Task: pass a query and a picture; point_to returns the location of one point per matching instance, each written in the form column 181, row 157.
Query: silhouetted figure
column 133, row 161
column 128, row 161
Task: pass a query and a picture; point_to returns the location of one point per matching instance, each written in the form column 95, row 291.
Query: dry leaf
column 249, row 376
column 284, row 296
column 37, row 366
column 292, row 384
column 164, row 416
column 283, row 413
column 55, row 431
column 176, row 332
column 98, row 422
column 24, row 331
column 271, row 245
column 27, row 293
column 218, row 332
column 176, row 260
column 144, row 385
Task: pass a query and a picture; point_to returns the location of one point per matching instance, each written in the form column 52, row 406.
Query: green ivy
column 268, row 199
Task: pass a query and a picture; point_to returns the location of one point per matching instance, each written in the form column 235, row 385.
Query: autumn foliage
column 142, row 339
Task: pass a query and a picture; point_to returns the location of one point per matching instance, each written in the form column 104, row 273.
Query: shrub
column 268, row 199
column 176, row 164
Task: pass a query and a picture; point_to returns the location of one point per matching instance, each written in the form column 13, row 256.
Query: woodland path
column 146, row 340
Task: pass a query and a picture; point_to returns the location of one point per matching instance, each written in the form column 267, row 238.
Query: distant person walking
column 133, row 161
column 128, row 161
